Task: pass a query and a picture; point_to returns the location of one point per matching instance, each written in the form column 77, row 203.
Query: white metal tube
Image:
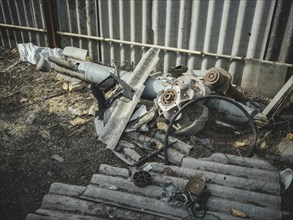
column 193, row 52
column 22, row 27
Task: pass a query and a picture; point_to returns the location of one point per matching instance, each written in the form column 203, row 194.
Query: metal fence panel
column 27, row 13
column 125, row 20
column 242, row 28
column 280, row 46
column 79, row 17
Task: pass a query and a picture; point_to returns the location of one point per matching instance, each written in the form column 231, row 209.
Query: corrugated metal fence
column 208, row 32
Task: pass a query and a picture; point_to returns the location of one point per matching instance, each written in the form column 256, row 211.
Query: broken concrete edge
column 113, row 131
column 116, row 124
column 285, row 91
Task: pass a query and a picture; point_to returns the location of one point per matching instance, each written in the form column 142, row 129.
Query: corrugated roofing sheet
column 249, row 185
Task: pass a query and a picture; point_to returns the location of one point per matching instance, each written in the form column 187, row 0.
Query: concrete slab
column 263, row 78
column 285, row 148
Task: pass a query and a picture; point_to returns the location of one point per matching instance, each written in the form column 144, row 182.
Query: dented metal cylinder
column 95, row 73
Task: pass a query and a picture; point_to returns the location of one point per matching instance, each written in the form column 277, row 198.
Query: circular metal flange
column 142, row 178
column 212, row 77
column 168, row 97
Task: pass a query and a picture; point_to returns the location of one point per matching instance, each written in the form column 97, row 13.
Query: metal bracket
column 128, row 92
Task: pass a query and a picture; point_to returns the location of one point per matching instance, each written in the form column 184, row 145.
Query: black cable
column 250, row 147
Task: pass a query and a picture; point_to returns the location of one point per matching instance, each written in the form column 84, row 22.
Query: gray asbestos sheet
column 112, row 193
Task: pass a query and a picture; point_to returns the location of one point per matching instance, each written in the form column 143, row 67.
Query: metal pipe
column 61, row 62
column 23, row 27
column 67, row 71
column 95, row 73
column 193, row 52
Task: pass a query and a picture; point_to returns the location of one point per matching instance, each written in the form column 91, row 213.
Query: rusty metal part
column 218, row 79
column 182, row 89
column 142, row 178
column 168, row 171
column 168, row 97
column 196, row 184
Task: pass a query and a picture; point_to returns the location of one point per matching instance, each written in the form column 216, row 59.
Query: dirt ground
column 26, row 167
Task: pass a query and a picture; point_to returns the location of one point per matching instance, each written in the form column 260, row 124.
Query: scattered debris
column 147, row 168
column 31, row 118
column 241, row 144
column 162, row 126
column 196, row 184
column 286, row 179
column 78, row 121
column 72, row 86
column 123, row 143
column 53, row 96
column 32, row 53
column 263, row 145
column 283, row 98
column 142, row 178
column 169, row 191
column 206, row 142
column 177, row 70
column 181, row 90
column 57, row 158
column 77, row 111
column 218, row 79
column 290, row 136
column 181, row 105
column 76, row 53
column 64, row 78
column 238, row 213
column 116, row 115
column 285, row 148
column 43, row 65
column 138, row 113
column 224, row 125
column 257, row 195
column 118, row 121
column 23, row 100
column 92, row 110
column 10, row 66
column 127, row 155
